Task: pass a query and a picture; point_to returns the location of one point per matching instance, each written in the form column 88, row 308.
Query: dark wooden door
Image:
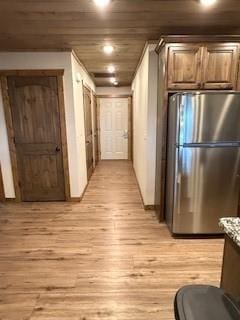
column 95, row 133
column 88, row 130
column 36, row 124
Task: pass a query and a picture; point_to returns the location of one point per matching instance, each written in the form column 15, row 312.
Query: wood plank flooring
column 104, row 258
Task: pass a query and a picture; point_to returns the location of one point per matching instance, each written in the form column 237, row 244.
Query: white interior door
column 114, row 128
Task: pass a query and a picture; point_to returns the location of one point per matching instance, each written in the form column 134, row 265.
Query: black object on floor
column 200, row 302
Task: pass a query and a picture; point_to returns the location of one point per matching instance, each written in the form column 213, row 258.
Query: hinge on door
column 14, row 140
column 19, row 184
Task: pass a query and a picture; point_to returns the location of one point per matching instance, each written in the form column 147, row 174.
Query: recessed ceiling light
column 112, row 80
column 102, row 3
column 207, row 2
column 111, row 69
column 108, row 49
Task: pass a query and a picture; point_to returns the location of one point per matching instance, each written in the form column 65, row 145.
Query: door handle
column 57, row 149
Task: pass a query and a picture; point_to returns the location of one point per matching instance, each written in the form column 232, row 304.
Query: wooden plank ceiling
column 126, row 24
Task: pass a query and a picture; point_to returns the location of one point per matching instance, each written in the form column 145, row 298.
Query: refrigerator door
column 209, row 118
column 207, row 182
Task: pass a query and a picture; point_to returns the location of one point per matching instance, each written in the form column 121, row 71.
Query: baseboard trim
column 150, row 207
column 11, row 200
column 147, row 207
column 139, row 189
column 79, row 199
column 75, row 199
column 2, row 194
column 85, row 189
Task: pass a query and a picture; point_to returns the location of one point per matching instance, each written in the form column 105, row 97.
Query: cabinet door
column 220, row 66
column 184, row 67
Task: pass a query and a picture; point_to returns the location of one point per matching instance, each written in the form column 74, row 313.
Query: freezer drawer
column 210, row 117
column 206, row 188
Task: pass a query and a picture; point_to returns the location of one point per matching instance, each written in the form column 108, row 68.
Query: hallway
column 104, row 258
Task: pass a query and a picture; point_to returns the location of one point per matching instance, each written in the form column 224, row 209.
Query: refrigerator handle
column 178, row 180
column 212, row 145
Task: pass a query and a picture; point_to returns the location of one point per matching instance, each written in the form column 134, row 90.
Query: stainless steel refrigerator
column 203, row 161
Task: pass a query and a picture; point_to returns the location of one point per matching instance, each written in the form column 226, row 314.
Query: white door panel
column 114, row 128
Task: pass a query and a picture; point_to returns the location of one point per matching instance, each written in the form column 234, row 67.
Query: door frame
column 85, row 86
column 95, row 125
column 58, row 73
column 2, row 193
column 130, row 121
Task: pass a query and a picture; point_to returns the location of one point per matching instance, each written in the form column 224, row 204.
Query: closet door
column 36, row 124
column 88, row 130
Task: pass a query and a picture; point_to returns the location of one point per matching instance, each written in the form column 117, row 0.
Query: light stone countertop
column 231, row 227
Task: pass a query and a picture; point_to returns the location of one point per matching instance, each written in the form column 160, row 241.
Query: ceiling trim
column 147, row 43
column 83, row 66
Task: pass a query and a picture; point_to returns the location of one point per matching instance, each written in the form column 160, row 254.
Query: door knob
column 57, row 149
column 125, row 134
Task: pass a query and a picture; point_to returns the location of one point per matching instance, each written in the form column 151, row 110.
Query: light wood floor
column 104, row 258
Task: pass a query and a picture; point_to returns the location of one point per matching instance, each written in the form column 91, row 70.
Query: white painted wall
column 5, row 156
column 80, row 77
column 152, row 124
column 73, row 109
column 140, row 106
column 113, row 90
column 144, row 88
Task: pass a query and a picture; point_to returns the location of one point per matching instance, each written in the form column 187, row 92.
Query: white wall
column 144, row 88
column 5, row 155
column 81, row 169
column 73, row 106
column 113, row 90
column 152, row 124
column 140, row 103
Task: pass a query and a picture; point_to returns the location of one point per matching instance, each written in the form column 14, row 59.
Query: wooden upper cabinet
column 220, row 66
column 184, row 66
